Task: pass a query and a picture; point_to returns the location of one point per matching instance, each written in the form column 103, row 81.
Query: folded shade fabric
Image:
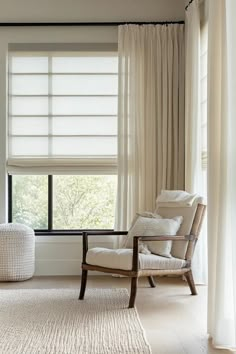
column 176, row 198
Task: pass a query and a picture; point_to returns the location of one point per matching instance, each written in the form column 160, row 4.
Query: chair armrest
column 105, row 233
column 166, row 238
column 85, row 235
column 136, row 239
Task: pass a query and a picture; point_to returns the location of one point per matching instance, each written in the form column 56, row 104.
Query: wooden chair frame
column 136, row 272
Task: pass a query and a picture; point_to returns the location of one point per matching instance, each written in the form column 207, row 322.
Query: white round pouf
column 17, row 252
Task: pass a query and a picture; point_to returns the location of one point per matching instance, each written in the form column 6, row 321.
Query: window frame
column 107, row 165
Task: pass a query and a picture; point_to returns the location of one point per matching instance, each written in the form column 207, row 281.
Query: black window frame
column 50, row 230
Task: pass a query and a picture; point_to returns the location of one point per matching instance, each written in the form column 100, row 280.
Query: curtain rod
column 52, row 24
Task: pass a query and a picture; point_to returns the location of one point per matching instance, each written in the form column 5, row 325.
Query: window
column 62, row 141
column 64, row 202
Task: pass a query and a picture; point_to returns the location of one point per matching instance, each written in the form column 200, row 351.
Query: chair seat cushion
column 122, row 259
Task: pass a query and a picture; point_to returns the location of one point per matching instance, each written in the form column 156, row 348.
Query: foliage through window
column 30, row 201
column 78, row 202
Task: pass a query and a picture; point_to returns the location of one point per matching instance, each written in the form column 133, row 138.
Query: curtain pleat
column 222, row 173
column 194, row 177
column 150, row 107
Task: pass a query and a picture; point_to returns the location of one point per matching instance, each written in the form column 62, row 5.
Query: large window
column 62, row 141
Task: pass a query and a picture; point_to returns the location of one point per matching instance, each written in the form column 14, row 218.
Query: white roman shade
column 62, row 111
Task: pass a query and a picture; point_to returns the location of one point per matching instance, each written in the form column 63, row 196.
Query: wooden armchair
column 131, row 263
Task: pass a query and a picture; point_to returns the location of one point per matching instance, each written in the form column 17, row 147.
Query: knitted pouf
column 17, row 252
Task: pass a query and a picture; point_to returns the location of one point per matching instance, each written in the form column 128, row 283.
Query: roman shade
column 62, row 109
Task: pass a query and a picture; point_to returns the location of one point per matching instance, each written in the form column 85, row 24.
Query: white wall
column 91, row 10
column 62, row 255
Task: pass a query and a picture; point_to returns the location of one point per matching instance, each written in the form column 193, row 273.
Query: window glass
column 84, row 202
column 30, row 201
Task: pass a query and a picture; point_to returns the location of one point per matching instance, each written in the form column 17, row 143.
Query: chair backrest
column 192, row 221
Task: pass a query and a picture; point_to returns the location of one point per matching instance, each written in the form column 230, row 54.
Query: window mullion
column 9, row 198
column 50, row 203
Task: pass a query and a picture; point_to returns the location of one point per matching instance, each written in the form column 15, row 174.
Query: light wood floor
column 174, row 321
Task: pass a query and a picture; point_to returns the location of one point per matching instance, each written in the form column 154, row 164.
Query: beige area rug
column 53, row 321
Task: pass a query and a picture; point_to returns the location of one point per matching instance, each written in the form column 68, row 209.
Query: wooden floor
column 174, row 321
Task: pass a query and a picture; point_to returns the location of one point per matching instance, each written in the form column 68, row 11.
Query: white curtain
column 194, row 175
column 222, row 172
column 150, row 116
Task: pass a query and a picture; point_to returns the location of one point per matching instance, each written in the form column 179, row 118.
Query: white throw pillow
column 155, row 226
column 129, row 244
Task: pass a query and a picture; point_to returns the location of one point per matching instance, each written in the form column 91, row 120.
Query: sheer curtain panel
column 150, row 116
column 195, row 178
column 222, row 173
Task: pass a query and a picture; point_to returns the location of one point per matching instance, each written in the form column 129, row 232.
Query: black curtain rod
column 63, row 24
column 186, row 7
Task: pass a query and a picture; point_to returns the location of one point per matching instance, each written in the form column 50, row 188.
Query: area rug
column 54, row 321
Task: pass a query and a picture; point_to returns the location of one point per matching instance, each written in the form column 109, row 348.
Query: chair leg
column 83, row 284
column 133, row 291
column 151, row 282
column 190, row 280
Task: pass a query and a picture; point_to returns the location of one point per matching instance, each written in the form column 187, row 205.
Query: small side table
column 17, row 252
